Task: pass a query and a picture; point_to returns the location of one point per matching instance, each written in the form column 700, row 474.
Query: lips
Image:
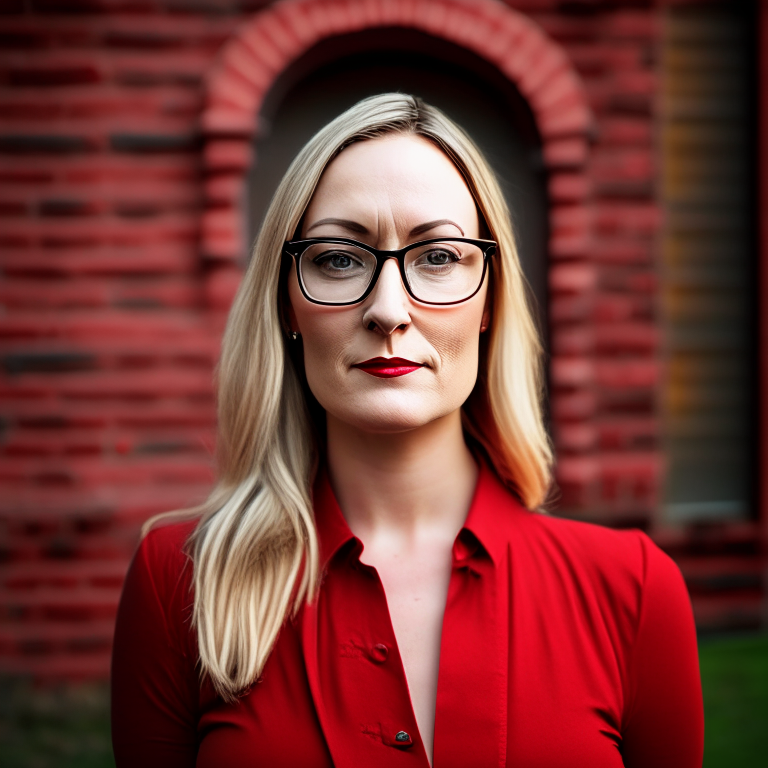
column 388, row 367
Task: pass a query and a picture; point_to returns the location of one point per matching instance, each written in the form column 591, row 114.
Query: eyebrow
column 353, row 226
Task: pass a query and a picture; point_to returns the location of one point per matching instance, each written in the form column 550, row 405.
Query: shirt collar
column 492, row 504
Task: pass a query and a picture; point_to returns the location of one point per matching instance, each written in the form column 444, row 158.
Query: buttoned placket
column 358, row 681
column 356, row 674
column 471, row 711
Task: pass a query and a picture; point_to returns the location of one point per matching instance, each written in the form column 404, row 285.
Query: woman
column 366, row 585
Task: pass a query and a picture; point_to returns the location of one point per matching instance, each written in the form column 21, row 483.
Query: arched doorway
column 473, row 59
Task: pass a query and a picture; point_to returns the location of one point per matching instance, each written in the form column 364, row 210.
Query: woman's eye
column 438, row 258
column 336, row 261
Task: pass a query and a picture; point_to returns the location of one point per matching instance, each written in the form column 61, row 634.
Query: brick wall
column 113, row 297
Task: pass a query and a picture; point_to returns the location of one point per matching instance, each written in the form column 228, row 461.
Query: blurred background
column 140, row 144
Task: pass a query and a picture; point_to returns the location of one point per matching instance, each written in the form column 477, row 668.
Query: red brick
column 69, row 668
column 576, row 438
column 105, row 261
column 463, row 27
column 328, row 18
column 223, row 245
column 226, row 155
column 569, row 278
column 263, row 47
column 626, row 337
column 571, row 308
column 569, row 245
column 293, row 17
column 113, row 324
column 548, row 73
column 557, row 121
column 75, row 605
column 565, row 153
column 622, row 250
column 348, row 16
column 627, row 218
column 241, row 61
column 573, row 340
column 99, row 101
column 47, row 70
column 224, row 189
column 505, row 38
column 622, row 374
column 410, row 11
column 228, row 121
column 271, row 23
column 616, row 25
column 517, row 59
column 232, row 91
column 577, row 405
column 571, row 219
column 632, row 25
column 616, row 307
column 628, row 433
column 116, row 414
column 221, row 286
column 572, row 371
column 186, row 68
column 96, row 474
column 625, row 131
column 561, row 92
column 432, row 16
column 26, row 293
column 596, row 58
column 569, row 187
column 625, row 163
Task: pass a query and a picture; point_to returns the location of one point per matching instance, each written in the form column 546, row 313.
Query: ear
column 288, row 319
column 485, row 322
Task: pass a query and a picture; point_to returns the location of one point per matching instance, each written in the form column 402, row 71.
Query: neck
column 409, row 481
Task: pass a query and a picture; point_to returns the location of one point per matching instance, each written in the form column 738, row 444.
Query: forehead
column 395, row 171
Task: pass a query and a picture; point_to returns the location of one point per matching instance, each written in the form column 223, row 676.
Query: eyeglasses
column 337, row 271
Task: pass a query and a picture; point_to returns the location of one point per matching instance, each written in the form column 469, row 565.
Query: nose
column 387, row 309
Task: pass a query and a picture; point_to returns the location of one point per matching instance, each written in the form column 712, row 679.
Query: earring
column 294, row 335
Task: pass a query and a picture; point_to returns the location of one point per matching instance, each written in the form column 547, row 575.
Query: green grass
column 734, row 676
column 68, row 727
column 62, row 727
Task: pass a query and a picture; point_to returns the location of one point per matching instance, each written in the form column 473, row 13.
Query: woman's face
column 389, row 192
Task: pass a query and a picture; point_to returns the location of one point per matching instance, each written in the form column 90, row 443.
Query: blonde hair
column 255, row 548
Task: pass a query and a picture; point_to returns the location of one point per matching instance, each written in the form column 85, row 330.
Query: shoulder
column 623, row 558
column 161, row 561
column 164, row 542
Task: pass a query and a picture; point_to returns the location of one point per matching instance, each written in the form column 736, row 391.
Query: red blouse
column 563, row 645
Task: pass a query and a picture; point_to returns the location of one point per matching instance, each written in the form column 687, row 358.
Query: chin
column 385, row 415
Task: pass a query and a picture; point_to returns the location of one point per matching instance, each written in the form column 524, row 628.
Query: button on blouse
column 563, row 644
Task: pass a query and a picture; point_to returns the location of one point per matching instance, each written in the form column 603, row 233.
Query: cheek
column 457, row 339
column 326, row 334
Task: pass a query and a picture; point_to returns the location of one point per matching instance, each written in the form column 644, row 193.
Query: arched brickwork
column 582, row 369
column 265, row 46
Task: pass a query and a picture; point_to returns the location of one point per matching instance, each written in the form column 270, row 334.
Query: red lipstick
column 388, row 367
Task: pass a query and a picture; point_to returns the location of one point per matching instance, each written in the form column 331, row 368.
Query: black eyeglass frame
column 296, row 248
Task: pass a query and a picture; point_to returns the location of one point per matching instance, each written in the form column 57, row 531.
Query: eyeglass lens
column 438, row 273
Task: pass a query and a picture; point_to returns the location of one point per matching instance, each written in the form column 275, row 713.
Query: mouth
column 388, row 367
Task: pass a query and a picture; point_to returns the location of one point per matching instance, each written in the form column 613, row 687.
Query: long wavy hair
column 255, row 549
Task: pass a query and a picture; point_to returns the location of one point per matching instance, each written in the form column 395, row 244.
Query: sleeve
column 664, row 713
column 154, row 685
